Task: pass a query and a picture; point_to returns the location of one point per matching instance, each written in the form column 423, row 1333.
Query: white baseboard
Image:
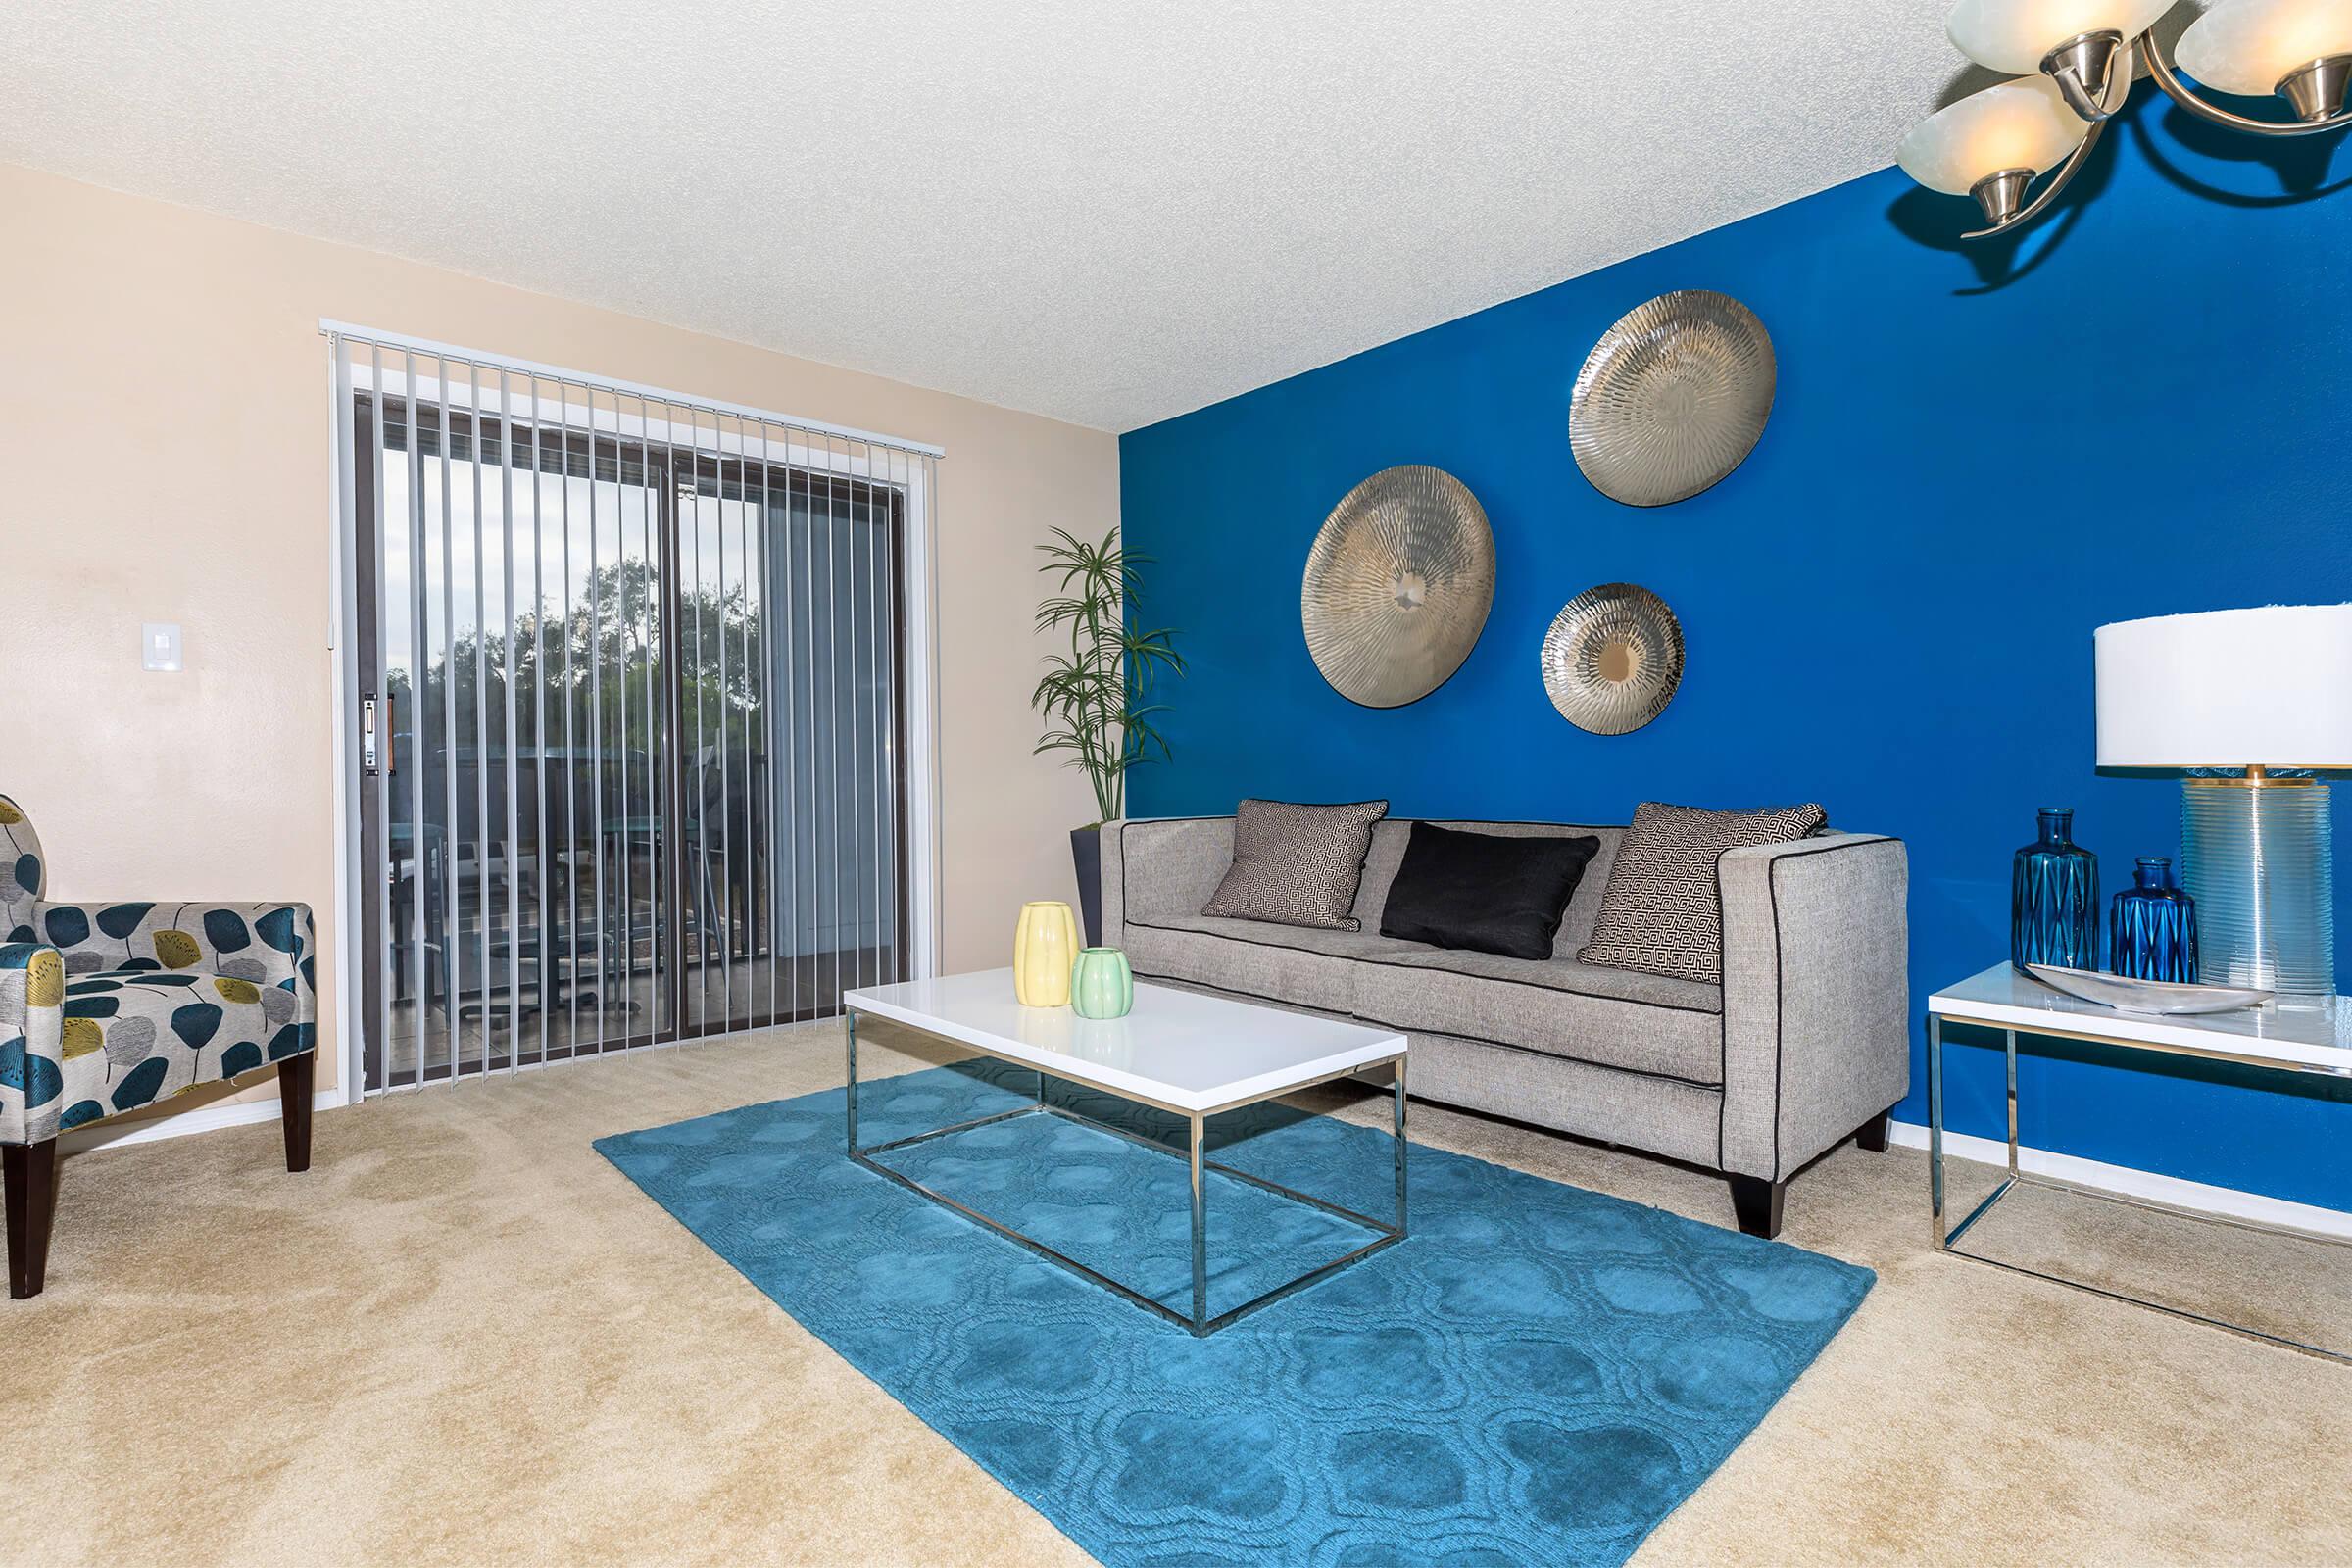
column 2130, row 1183
column 231, row 1113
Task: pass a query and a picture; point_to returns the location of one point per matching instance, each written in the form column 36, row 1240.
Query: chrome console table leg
column 1947, row 1235
column 1400, row 1146
column 1935, row 1128
column 849, row 1034
column 1200, row 1129
column 2009, row 1048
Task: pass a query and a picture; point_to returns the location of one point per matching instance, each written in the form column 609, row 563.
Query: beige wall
column 165, row 456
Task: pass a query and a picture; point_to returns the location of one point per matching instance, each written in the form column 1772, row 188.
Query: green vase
column 1102, row 985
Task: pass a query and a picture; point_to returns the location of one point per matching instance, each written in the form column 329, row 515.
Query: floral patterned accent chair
column 106, row 1008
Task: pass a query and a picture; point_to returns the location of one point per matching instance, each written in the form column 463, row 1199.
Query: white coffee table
column 1179, row 1052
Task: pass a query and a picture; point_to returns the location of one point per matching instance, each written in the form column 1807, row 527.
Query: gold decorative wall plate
column 1613, row 658
column 1672, row 398
column 1397, row 586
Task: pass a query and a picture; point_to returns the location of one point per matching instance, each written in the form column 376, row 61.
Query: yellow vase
column 1044, row 948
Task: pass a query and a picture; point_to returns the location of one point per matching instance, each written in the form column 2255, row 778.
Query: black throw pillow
column 1483, row 891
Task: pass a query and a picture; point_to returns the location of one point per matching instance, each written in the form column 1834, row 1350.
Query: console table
column 2272, row 1038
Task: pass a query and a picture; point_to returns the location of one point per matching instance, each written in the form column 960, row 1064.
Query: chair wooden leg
column 295, row 1077
column 28, row 1172
column 1757, row 1202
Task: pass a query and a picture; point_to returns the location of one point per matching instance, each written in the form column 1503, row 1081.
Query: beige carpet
column 465, row 1339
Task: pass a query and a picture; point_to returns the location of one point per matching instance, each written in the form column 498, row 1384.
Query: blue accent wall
column 1977, row 455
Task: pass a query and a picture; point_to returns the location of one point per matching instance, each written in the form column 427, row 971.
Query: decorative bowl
column 2163, row 997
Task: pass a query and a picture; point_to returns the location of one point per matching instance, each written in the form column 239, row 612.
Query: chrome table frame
column 1947, row 1241
column 1198, row 1320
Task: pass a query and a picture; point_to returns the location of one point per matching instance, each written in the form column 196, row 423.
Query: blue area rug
column 1536, row 1374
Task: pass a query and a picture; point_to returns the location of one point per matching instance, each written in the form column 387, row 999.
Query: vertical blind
column 630, row 701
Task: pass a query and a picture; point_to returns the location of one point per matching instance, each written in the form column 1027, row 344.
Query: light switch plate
column 159, row 645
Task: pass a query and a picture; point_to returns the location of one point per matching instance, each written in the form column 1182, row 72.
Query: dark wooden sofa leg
column 295, row 1077
column 28, row 1172
column 1871, row 1137
column 1757, row 1202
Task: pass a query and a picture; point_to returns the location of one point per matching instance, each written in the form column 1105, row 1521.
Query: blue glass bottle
column 2152, row 934
column 2054, row 898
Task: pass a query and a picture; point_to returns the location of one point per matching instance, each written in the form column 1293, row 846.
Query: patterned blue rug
column 1536, row 1374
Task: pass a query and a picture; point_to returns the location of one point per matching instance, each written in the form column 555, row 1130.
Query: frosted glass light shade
column 2013, row 35
column 2018, row 124
column 2246, row 46
column 2228, row 688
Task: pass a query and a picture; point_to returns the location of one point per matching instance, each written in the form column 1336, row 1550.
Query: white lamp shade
column 2013, row 35
column 2248, row 46
column 2018, row 124
column 2228, row 688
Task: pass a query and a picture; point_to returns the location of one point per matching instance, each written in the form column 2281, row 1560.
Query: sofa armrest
column 32, row 1042
column 1112, row 867
column 267, row 944
column 1161, row 868
column 1816, row 995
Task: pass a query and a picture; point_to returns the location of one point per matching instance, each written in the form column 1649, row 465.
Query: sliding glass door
column 630, row 715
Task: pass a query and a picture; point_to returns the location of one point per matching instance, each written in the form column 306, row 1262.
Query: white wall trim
column 211, row 1119
column 2129, row 1183
column 919, row 624
column 341, row 629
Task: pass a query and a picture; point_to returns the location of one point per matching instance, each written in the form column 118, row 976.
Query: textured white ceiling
column 1102, row 210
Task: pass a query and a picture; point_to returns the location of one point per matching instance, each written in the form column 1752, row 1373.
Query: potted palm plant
column 1096, row 699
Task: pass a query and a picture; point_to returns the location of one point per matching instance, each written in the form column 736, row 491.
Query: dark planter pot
column 1086, row 854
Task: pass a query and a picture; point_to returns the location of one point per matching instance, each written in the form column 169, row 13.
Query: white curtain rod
column 328, row 328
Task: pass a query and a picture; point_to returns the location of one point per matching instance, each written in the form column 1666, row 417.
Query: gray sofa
column 1806, row 1042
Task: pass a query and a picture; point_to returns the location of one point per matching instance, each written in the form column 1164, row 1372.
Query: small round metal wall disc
column 1613, row 658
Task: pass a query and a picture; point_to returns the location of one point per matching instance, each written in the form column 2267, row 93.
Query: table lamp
column 2251, row 702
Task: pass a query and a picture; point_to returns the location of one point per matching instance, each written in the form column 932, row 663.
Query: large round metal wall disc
column 1397, row 586
column 1672, row 398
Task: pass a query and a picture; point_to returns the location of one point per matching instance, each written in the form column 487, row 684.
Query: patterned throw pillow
column 1297, row 864
column 1663, row 911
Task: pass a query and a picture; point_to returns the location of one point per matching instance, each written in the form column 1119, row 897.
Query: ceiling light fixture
column 2074, row 63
